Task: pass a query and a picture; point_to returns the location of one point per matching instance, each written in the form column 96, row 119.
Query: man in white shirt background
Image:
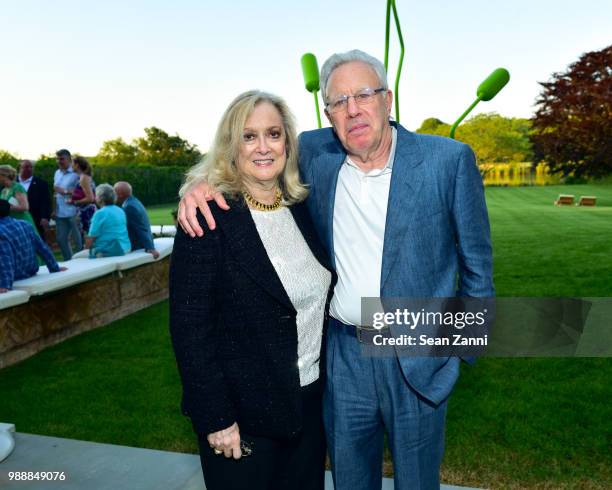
column 64, row 182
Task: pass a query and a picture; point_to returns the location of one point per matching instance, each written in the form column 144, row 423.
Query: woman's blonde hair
column 218, row 167
column 8, row 171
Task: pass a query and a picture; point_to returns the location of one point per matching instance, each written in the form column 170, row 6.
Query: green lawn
column 545, row 250
column 160, row 214
column 512, row 423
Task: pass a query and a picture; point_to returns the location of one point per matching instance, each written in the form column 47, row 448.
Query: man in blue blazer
column 401, row 215
column 139, row 227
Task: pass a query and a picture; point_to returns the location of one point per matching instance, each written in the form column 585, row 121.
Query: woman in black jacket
column 247, row 308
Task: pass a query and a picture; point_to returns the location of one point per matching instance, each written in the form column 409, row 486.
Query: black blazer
column 39, row 201
column 233, row 327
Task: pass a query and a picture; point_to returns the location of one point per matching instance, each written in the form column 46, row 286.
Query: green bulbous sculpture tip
column 491, row 86
column 310, row 69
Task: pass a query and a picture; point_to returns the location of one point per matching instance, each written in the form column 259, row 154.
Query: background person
column 19, row 245
column 108, row 236
column 247, row 305
column 139, row 227
column 64, row 182
column 13, row 192
column 39, row 199
column 83, row 194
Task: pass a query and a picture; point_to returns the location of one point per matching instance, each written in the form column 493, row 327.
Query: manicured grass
column 512, row 423
column 546, row 250
column 116, row 384
column 541, row 423
column 160, row 214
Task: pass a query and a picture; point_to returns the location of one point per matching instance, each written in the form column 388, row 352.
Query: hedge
column 152, row 185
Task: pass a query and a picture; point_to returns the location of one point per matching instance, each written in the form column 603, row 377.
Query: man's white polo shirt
column 360, row 212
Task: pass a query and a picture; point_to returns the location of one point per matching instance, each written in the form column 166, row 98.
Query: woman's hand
column 226, row 441
column 196, row 198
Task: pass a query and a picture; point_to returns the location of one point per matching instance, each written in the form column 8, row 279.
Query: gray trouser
column 366, row 396
column 63, row 228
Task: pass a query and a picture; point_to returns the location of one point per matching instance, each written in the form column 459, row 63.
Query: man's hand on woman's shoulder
column 197, row 197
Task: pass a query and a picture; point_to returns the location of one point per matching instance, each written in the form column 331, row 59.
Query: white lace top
column 304, row 279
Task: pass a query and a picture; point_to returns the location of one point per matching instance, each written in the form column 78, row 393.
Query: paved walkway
column 95, row 466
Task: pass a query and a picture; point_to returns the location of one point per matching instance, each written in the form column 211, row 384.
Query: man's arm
column 472, row 229
column 7, row 265
column 199, row 192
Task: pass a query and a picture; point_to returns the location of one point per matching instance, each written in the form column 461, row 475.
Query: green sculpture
column 391, row 6
column 488, row 89
column 310, row 70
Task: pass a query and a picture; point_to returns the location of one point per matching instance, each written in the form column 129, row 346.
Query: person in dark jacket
column 39, row 198
column 247, row 307
column 139, row 227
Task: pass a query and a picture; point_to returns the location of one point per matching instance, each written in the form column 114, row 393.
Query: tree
column 7, row 158
column 573, row 122
column 157, row 148
column 117, row 152
column 493, row 138
column 161, row 149
column 433, row 125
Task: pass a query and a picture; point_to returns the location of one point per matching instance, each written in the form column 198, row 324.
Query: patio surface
column 96, row 466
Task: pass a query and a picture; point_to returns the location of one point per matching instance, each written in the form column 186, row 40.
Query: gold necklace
column 254, row 203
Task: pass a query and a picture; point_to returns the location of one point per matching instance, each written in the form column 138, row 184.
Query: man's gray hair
column 106, row 194
column 338, row 59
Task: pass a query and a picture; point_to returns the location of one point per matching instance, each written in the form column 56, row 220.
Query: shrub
column 152, row 185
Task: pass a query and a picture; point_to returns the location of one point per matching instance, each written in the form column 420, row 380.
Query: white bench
column 164, row 246
column 168, row 230
column 163, row 230
column 135, row 258
column 123, row 262
column 78, row 271
column 13, row 298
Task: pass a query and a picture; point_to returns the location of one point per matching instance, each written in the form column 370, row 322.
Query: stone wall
column 51, row 318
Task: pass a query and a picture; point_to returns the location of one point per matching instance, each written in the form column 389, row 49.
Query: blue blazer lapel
column 326, row 176
column 406, row 181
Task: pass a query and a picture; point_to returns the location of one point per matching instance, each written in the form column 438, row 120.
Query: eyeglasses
column 363, row 97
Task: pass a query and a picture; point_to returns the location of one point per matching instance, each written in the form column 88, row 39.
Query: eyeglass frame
column 345, row 99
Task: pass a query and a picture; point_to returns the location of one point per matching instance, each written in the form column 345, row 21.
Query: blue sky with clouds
column 77, row 73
